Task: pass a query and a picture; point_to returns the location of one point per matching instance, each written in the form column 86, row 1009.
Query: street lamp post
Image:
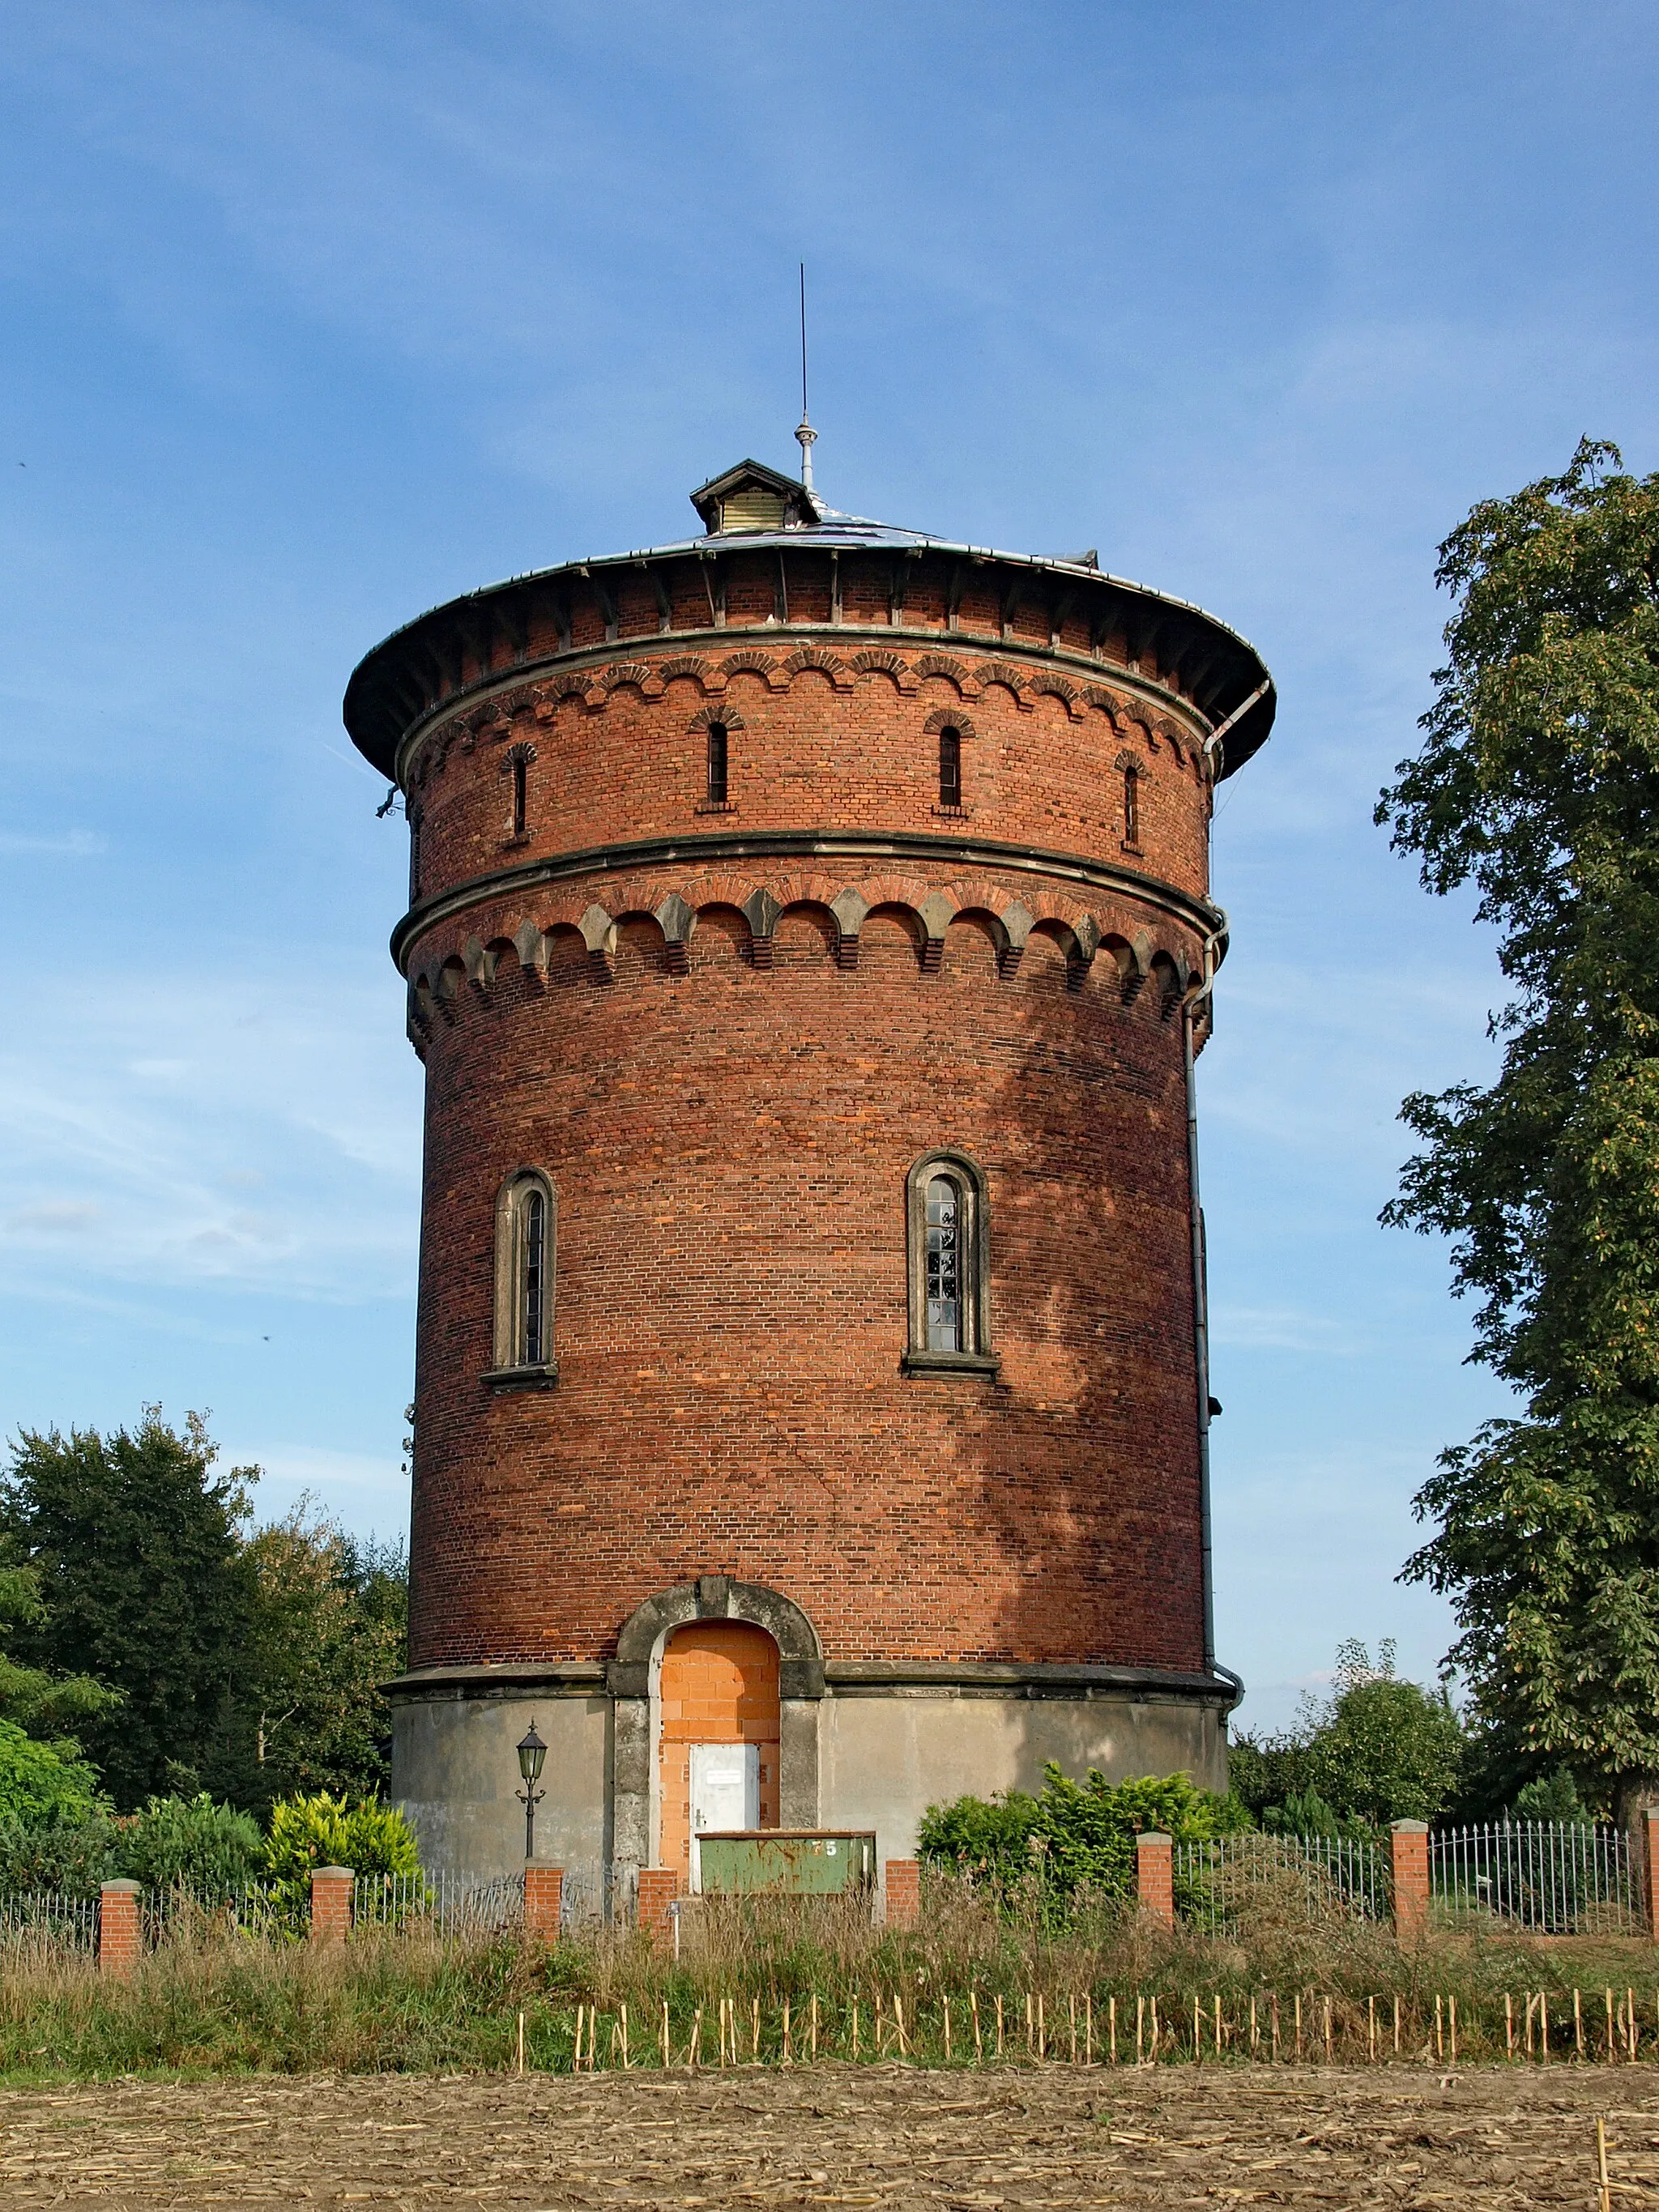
column 531, row 1752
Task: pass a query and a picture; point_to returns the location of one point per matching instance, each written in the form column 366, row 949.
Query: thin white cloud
column 151, row 1115
column 73, row 844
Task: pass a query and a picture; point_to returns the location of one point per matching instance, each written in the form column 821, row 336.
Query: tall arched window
column 532, row 1279
column 950, row 1250
column 717, row 764
column 949, row 766
column 944, row 1211
column 526, row 1219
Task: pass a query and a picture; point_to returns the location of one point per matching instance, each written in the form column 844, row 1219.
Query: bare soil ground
column 1393, row 2136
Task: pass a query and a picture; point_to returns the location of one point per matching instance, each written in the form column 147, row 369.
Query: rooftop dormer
column 751, row 496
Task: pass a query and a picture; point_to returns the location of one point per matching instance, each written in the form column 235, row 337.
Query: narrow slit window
column 717, row 758
column 950, row 767
column 520, row 778
column 1131, row 804
column 414, row 858
column 534, row 1267
column 944, row 1265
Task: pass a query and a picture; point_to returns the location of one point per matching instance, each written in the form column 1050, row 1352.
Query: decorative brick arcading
column 1155, row 1873
column 120, row 1933
column 659, row 1888
column 1409, row 1845
column 903, row 1884
column 543, row 1901
column 330, row 1903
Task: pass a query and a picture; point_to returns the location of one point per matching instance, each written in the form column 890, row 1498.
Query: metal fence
column 445, row 1903
column 261, row 1909
column 42, row 1923
column 1553, row 1877
column 596, row 1892
column 1233, row 1883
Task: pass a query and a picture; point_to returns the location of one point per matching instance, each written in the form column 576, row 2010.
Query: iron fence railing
column 1553, row 1877
column 259, row 1909
column 1232, row 1882
column 445, row 1903
column 596, row 1891
column 42, row 1923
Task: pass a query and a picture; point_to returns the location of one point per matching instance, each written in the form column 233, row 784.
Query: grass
column 208, row 2001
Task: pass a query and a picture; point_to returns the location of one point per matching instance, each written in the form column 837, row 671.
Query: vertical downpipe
column 1201, row 1291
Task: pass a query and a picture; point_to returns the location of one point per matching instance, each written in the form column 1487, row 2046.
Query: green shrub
column 190, row 1842
column 1073, row 1835
column 1552, row 1797
column 72, row 1850
column 368, row 1836
column 38, row 1783
column 1305, row 1812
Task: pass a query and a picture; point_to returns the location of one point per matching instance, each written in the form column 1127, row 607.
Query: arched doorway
column 719, row 1737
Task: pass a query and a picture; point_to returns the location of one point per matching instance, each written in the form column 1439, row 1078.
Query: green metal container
column 793, row 1862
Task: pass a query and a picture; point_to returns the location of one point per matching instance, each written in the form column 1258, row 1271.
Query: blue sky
column 317, row 314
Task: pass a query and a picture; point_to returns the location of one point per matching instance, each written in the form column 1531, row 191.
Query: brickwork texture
column 727, row 1034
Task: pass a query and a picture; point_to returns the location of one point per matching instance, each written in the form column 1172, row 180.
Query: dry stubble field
column 873, row 2136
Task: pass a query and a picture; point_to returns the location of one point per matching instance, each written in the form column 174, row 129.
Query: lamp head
column 531, row 1752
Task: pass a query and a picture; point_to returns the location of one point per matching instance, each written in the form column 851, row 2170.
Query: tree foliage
column 192, row 1656
column 137, row 1546
column 1378, row 1749
column 42, row 1704
column 329, row 1623
column 1538, row 783
column 38, row 1784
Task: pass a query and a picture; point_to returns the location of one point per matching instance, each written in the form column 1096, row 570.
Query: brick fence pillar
column 659, row 1888
column 903, row 1893
column 330, row 1903
column 1155, row 1873
column 1409, row 1847
column 119, row 1934
column 1650, row 1868
column 544, row 1900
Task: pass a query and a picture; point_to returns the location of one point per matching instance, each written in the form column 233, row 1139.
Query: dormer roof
column 752, row 497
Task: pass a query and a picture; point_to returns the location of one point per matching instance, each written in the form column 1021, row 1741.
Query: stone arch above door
column 629, row 1679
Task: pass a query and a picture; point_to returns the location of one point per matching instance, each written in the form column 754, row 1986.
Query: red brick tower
column 808, row 930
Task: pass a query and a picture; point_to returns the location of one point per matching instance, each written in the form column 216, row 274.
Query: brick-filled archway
column 717, row 1684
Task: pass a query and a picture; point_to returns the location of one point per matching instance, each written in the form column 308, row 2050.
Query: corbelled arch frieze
column 447, row 970
column 590, row 691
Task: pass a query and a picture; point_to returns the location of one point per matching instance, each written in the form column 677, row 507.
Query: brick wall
column 729, row 1145
column 1036, row 769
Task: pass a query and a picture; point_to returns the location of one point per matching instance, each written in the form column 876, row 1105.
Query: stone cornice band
column 713, row 848
column 842, row 1677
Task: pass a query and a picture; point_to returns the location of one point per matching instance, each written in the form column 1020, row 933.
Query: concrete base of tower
column 875, row 1750
column 455, row 1768
column 888, row 1754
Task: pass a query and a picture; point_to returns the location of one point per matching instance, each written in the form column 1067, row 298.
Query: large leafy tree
column 329, row 1624
column 1378, row 1749
column 34, row 1699
column 133, row 1543
column 1538, row 784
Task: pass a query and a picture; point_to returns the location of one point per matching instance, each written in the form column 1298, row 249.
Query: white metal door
column 725, row 1793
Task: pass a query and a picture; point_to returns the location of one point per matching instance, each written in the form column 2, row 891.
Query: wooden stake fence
column 1199, row 2030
